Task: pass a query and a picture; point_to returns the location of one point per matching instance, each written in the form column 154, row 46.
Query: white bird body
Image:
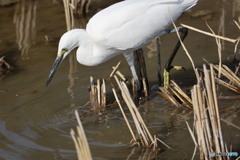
column 122, row 28
column 133, row 23
column 127, row 26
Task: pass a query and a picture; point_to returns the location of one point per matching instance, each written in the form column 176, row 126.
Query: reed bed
column 207, row 134
column 80, row 141
column 209, row 137
column 146, row 140
column 142, row 137
column 177, row 97
column 98, row 89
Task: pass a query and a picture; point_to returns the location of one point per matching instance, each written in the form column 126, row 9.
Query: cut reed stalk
column 181, row 95
column 80, row 141
column 125, row 117
column 98, row 94
column 68, row 17
column 141, row 70
column 227, row 85
column 234, row 80
column 210, row 34
column 206, row 117
column 144, row 135
column 168, row 96
column 132, row 107
column 117, row 72
column 146, row 139
column 218, row 42
column 175, row 95
column 115, row 69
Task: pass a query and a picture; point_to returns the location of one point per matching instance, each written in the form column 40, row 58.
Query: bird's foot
column 179, row 68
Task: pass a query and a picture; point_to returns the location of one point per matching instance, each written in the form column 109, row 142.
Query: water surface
column 35, row 120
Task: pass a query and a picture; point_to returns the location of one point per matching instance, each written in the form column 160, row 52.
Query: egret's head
column 67, row 43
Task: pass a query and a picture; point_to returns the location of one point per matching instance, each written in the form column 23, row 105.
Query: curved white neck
column 90, row 53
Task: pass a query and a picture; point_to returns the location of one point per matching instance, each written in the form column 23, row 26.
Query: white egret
column 120, row 29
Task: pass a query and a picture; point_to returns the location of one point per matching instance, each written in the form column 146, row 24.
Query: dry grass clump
column 98, row 94
column 175, row 95
column 207, row 126
column 234, row 80
column 146, row 140
column 98, row 90
column 80, row 141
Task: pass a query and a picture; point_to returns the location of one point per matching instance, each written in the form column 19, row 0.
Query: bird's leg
column 130, row 59
column 168, row 65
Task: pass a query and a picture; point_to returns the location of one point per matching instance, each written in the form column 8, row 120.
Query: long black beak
column 54, row 68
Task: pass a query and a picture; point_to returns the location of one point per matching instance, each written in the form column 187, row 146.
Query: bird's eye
column 64, row 50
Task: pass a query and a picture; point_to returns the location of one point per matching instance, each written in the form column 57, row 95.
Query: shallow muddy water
column 35, row 120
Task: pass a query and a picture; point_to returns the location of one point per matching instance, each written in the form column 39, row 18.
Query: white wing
column 132, row 23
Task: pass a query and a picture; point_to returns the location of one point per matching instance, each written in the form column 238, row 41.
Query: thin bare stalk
column 80, row 141
column 124, row 116
column 210, row 34
column 186, row 51
column 144, row 135
column 218, row 41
